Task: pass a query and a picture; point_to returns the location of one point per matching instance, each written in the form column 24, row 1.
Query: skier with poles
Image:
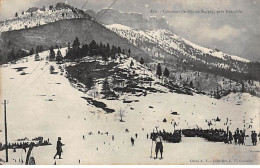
column 158, row 146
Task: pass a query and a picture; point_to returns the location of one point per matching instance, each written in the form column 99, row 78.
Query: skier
column 159, row 146
column 132, row 141
column 136, row 135
column 59, row 148
column 113, row 138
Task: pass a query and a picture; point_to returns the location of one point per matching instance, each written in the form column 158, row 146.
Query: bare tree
column 121, row 114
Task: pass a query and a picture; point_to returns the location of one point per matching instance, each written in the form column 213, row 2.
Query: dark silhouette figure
column 236, row 137
column 147, row 136
column 59, row 148
column 241, row 138
column 136, row 135
column 132, row 141
column 159, row 146
column 254, row 138
column 113, row 137
column 230, row 137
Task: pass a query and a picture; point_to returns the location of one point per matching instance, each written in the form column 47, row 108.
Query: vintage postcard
column 130, row 82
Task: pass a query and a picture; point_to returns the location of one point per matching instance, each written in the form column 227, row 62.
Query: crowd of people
column 220, row 135
column 174, row 137
column 25, row 144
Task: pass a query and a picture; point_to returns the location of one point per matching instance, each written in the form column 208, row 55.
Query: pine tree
column 191, row 84
column 129, row 52
column 243, row 87
column 132, row 63
column 52, row 69
column 166, row 72
column 52, row 54
column 31, row 51
column 142, row 61
column 105, row 86
column 108, row 47
column 159, row 70
column 119, row 50
column 107, row 50
column 37, row 49
column 76, row 43
column 59, row 56
column 105, row 58
column 92, row 48
column 113, row 52
column 11, row 55
column 85, row 49
column 89, row 82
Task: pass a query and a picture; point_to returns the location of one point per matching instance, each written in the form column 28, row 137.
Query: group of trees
column 55, row 57
column 15, row 54
column 165, row 73
column 78, row 51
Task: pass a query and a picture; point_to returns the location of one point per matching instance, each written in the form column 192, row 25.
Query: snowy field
column 44, row 104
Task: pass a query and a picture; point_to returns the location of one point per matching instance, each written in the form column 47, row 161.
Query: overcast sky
column 237, row 34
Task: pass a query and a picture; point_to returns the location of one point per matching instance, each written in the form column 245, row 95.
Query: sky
column 234, row 33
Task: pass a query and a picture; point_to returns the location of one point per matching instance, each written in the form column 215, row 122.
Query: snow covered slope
column 168, row 41
column 44, row 104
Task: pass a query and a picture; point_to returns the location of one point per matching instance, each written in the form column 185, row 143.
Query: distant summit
column 131, row 19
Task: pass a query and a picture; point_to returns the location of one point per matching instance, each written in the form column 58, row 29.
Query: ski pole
column 152, row 150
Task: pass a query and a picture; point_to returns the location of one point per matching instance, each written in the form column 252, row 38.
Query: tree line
column 77, row 51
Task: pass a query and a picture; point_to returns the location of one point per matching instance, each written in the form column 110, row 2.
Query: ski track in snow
column 30, row 115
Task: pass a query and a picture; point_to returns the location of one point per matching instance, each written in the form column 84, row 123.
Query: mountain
column 134, row 20
column 56, row 26
column 151, row 38
column 157, row 38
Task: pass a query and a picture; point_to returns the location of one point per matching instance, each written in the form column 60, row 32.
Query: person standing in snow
column 136, row 135
column 158, row 146
column 230, row 137
column 254, row 138
column 59, row 148
column 236, row 137
column 241, row 140
column 132, row 141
